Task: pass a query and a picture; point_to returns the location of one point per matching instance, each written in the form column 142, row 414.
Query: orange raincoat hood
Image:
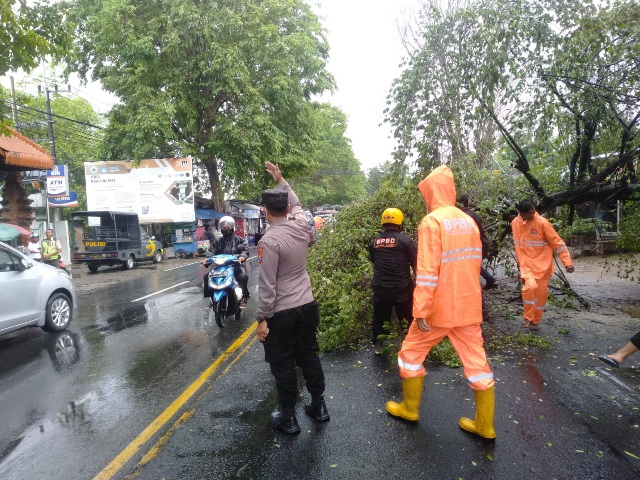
column 438, row 189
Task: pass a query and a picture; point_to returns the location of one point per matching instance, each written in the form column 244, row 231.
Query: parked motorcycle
column 64, row 267
column 226, row 294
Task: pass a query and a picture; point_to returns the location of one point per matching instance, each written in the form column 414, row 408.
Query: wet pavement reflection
column 74, row 398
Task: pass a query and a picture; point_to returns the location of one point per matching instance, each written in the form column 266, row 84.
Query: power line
column 64, row 126
column 57, row 116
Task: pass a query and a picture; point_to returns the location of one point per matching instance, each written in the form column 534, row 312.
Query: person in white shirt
column 34, row 247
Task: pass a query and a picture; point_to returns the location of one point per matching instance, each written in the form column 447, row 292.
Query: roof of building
column 18, row 151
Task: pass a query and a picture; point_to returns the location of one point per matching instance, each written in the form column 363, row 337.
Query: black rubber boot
column 285, row 420
column 317, row 409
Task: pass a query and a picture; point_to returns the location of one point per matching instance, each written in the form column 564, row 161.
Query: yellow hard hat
column 392, row 215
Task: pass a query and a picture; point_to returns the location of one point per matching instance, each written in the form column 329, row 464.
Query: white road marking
column 160, row 291
column 181, row 266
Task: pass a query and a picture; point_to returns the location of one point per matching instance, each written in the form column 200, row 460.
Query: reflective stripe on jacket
column 535, row 242
column 447, row 289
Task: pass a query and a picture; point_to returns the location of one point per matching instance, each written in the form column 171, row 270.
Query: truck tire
column 129, row 263
column 157, row 257
column 93, row 267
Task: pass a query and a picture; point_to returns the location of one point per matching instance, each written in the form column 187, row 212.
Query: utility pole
column 14, row 105
column 52, row 141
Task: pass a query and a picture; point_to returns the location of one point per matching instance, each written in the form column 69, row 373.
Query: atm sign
column 95, row 244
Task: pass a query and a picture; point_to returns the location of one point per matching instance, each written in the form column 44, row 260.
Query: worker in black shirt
column 392, row 253
column 463, row 202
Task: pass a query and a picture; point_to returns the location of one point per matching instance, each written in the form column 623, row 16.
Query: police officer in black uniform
column 392, row 253
column 288, row 316
column 230, row 244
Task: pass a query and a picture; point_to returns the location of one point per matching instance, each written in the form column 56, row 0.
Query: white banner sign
column 158, row 190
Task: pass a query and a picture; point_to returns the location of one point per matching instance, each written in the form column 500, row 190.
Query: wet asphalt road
column 150, row 388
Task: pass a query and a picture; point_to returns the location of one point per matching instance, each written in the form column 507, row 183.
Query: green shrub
column 629, row 238
column 339, row 264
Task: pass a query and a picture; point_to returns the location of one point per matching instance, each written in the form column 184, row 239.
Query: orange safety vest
column 447, row 289
column 535, row 242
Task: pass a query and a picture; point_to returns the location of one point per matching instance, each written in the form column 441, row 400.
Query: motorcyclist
column 230, row 244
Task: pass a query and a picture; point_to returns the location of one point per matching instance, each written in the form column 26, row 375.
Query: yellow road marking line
column 244, row 350
column 131, row 449
column 151, row 454
column 155, row 450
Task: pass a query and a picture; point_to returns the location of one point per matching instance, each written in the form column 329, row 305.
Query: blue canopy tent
column 207, row 214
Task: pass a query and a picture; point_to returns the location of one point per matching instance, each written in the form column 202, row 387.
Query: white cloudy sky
column 365, row 53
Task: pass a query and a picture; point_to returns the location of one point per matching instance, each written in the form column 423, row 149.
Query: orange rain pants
column 534, row 298
column 468, row 343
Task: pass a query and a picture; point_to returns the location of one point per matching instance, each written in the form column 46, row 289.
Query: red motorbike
column 64, row 267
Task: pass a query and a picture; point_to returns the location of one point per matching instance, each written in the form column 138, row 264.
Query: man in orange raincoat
column 447, row 302
column 535, row 242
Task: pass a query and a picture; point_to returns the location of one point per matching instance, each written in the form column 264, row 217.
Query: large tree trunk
column 211, row 164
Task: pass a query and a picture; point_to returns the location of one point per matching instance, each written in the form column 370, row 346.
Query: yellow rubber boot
column 409, row 408
column 483, row 423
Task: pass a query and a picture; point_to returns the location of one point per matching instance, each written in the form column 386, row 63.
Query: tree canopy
column 76, row 127
column 336, row 178
column 229, row 82
column 548, row 88
column 30, row 31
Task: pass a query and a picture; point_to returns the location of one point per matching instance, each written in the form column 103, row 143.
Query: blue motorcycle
column 226, row 294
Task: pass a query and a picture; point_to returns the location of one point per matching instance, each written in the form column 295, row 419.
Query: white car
column 33, row 293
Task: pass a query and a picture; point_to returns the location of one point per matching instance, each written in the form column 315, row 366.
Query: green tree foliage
column 30, row 31
column 337, row 178
column 551, row 86
column 339, row 264
column 229, row 82
column 76, row 127
column 377, row 175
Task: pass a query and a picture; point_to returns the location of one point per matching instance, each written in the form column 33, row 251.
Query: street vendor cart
column 185, row 243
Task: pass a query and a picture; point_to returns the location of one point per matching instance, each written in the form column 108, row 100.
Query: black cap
column 275, row 199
